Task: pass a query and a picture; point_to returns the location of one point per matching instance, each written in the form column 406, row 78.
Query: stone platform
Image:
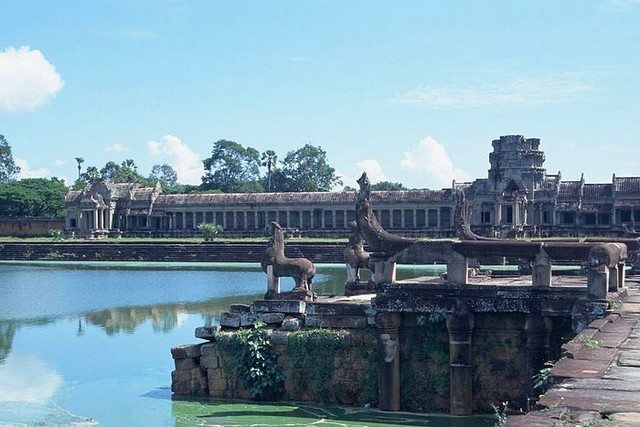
column 598, row 380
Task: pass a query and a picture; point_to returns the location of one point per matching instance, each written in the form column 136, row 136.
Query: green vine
column 254, row 359
column 312, row 357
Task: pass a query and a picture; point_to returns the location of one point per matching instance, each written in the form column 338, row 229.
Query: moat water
column 88, row 344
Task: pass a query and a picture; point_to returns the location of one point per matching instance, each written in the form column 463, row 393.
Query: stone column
column 497, row 207
column 384, row 271
column 541, row 270
column 110, row 219
column 288, row 219
column 273, row 284
column 333, row 219
column 598, row 281
column 95, row 219
column 389, row 361
column 415, row 219
column 438, row 219
column 460, row 327
column 457, row 269
column 537, row 329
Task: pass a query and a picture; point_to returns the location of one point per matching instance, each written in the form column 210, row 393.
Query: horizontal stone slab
column 336, row 309
column 271, row 318
column 576, row 368
column 230, row 320
column 239, row 308
column 278, row 306
column 347, row 322
column 600, row 384
column 185, row 364
column 206, row 332
column 209, row 349
column 186, row 350
column 592, row 400
column 248, row 319
column 629, row 358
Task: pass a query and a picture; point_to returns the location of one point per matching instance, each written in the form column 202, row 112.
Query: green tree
column 92, row 174
column 79, row 161
column 307, row 169
column 232, row 168
column 8, row 168
column 127, row 171
column 269, row 160
column 33, row 197
column 165, row 174
column 388, row 186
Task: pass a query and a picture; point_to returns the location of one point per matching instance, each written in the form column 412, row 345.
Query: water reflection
column 27, row 379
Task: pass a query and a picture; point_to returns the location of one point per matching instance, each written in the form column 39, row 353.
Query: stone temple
column 517, row 198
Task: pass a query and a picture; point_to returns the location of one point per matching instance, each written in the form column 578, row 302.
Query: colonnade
column 334, row 218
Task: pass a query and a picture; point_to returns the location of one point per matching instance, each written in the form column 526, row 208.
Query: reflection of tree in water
column 7, row 333
column 8, row 330
column 163, row 317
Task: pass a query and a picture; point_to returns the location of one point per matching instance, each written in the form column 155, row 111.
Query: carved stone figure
column 379, row 239
column 354, row 255
column 463, row 230
column 277, row 265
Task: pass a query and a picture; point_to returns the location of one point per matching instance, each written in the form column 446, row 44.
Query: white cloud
column 373, row 169
column 59, row 163
column 179, row 156
column 431, row 161
column 520, row 91
column 26, row 379
column 27, row 79
column 114, row 148
column 347, row 181
column 27, row 172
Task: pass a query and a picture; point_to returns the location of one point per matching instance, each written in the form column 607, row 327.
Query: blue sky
column 410, row 91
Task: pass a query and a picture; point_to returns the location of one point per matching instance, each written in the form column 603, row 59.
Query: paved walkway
column 598, row 383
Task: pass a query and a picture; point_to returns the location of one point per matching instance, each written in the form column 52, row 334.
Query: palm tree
column 80, row 161
column 269, row 159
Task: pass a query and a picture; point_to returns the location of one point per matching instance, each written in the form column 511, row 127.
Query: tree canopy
column 33, row 197
column 8, row 168
column 306, row 169
column 164, row 174
column 388, row 186
column 232, row 168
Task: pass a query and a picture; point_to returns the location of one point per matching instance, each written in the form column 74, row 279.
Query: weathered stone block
column 278, row 306
column 186, row 350
column 248, row 319
column 209, row 349
column 230, row 320
column 206, row 332
column 185, row 364
column 271, row 318
column 279, row 337
column 239, row 308
column 199, row 384
column 209, row 362
column 291, row 324
column 180, row 387
column 336, row 309
column 177, row 376
column 348, row 322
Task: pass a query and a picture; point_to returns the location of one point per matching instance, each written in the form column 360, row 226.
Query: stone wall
column 336, row 365
column 25, row 227
column 178, row 252
column 318, row 365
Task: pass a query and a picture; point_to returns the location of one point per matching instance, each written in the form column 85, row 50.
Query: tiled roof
column 597, row 191
column 569, row 188
column 627, row 186
column 319, row 198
